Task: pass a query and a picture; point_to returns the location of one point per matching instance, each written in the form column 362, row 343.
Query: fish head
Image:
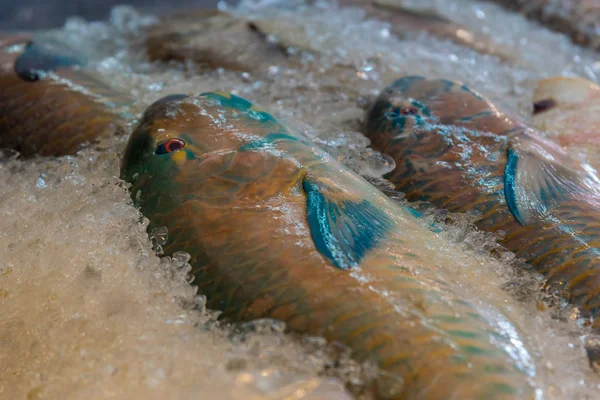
column 563, row 91
column 437, row 123
column 416, row 103
column 156, row 134
column 217, row 147
column 569, row 108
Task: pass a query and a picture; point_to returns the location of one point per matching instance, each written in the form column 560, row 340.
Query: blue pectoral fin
column 343, row 228
column 42, row 56
column 538, row 178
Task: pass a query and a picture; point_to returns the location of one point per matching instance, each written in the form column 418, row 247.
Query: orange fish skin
column 55, row 112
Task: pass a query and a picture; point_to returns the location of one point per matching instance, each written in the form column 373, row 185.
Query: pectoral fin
column 344, row 228
column 539, row 176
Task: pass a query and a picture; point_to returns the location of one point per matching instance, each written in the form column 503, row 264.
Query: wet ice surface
column 89, row 310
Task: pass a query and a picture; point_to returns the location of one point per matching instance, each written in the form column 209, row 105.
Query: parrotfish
column 216, row 39
column 278, row 229
column 454, row 149
column 580, row 19
column 568, row 110
column 409, row 21
column 49, row 103
column 212, row 39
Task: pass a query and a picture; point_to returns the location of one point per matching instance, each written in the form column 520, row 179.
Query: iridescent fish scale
column 240, row 207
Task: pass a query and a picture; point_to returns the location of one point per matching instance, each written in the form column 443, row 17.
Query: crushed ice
column 89, row 310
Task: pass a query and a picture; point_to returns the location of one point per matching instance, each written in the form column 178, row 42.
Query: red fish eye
column 169, row 146
column 408, row 111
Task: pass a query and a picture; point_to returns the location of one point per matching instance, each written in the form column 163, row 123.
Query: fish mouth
column 543, row 106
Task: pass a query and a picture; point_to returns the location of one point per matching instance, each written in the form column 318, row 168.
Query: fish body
column 580, row 19
column 409, row 21
column 456, row 150
column 49, row 103
column 568, row 110
column 216, row 39
column 212, row 39
column 278, row 229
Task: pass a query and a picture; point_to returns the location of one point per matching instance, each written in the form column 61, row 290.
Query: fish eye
column 408, row 111
column 543, row 105
column 169, row 146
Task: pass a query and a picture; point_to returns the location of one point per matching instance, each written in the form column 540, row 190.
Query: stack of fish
column 276, row 228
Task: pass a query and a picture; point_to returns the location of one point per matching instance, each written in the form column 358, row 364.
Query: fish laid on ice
column 212, row 39
column 216, row 39
column 568, row 110
column 406, row 21
column 580, row 19
column 454, row 149
column 278, row 229
column 49, row 103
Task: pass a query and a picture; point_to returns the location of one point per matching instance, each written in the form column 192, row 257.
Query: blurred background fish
column 49, row 103
column 457, row 151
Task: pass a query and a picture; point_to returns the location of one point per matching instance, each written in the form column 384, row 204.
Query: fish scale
column 562, row 242
column 256, row 252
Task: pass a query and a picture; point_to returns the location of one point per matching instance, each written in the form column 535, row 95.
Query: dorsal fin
column 539, row 176
column 343, row 227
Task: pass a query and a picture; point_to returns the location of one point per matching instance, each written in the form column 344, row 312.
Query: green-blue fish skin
column 278, row 229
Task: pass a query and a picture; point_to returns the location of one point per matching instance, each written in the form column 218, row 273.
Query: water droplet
column 160, row 235
column 246, row 77
column 180, row 259
column 41, row 183
column 261, row 326
column 158, row 250
column 274, row 70
column 156, row 86
column 16, row 48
